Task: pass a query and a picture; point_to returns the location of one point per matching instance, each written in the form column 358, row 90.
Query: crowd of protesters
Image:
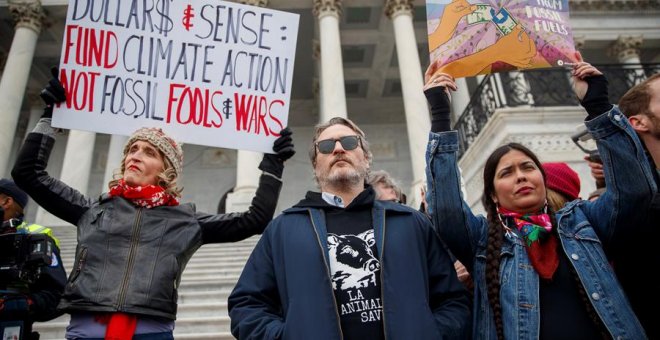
column 351, row 260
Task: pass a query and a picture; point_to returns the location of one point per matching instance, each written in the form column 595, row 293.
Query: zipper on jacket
column 327, row 270
column 79, row 266
column 135, row 240
column 382, row 278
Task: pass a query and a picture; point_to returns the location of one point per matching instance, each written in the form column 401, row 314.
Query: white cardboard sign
column 207, row 72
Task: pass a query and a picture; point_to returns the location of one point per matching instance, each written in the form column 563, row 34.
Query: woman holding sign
column 539, row 273
column 135, row 240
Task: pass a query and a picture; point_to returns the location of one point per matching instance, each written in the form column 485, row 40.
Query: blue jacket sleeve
column 628, row 177
column 458, row 227
column 255, row 308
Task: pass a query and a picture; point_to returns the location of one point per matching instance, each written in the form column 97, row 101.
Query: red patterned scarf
column 536, row 230
column 146, row 196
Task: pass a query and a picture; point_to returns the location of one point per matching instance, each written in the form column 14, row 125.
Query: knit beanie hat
column 156, row 137
column 561, row 178
column 9, row 188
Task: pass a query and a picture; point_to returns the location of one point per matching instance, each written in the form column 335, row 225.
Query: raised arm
column 459, row 228
column 30, row 173
column 628, row 173
column 238, row 226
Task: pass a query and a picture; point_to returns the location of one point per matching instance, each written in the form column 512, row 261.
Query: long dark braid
column 493, row 251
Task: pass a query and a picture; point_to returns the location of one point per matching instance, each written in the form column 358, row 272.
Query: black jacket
column 130, row 259
column 285, row 290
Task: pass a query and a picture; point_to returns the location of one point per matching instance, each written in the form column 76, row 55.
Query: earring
column 507, row 231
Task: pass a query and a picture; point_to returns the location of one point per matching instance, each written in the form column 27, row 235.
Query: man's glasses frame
column 348, row 143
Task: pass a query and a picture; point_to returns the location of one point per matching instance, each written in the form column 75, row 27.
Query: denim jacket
column 585, row 230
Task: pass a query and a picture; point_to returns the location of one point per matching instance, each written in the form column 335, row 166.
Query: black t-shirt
column 355, row 268
column 563, row 312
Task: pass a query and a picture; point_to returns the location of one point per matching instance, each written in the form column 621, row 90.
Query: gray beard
column 344, row 180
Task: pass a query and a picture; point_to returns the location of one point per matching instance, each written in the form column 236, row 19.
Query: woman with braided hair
column 539, row 273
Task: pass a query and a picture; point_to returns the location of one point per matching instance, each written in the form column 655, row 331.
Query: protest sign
column 467, row 38
column 207, row 72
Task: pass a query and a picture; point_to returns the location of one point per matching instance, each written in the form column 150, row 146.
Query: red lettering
column 68, row 43
column 192, row 106
column 217, row 112
column 171, row 100
column 205, row 108
column 81, row 58
column 263, row 107
column 253, row 113
column 92, row 47
column 186, row 92
column 277, row 121
column 92, row 83
column 241, row 111
column 79, row 89
column 96, row 48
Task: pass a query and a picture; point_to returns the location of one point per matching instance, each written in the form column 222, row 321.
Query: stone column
column 29, row 16
column 115, row 156
column 247, row 180
column 316, row 82
column 626, row 50
column 247, row 162
column 333, row 93
column 36, row 106
column 76, row 168
column 77, row 163
column 412, row 82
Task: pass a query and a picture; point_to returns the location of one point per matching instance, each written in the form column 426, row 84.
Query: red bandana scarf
column 541, row 244
column 146, row 196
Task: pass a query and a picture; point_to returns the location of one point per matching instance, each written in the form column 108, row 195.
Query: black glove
column 283, row 147
column 14, row 306
column 52, row 94
column 440, row 110
column 596, row 101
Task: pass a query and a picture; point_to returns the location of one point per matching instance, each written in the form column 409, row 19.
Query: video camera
column 22, row 256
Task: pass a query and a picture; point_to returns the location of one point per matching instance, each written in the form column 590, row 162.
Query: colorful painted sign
column 207, row 72
column 467, row 38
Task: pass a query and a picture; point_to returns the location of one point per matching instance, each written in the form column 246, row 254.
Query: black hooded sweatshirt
column 354, row 263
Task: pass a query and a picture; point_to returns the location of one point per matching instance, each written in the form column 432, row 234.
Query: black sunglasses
column 326, row 146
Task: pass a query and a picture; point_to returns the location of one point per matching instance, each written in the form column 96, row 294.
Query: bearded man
column 342, row 265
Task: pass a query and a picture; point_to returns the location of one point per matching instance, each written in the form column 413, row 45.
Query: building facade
column 361, row 59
